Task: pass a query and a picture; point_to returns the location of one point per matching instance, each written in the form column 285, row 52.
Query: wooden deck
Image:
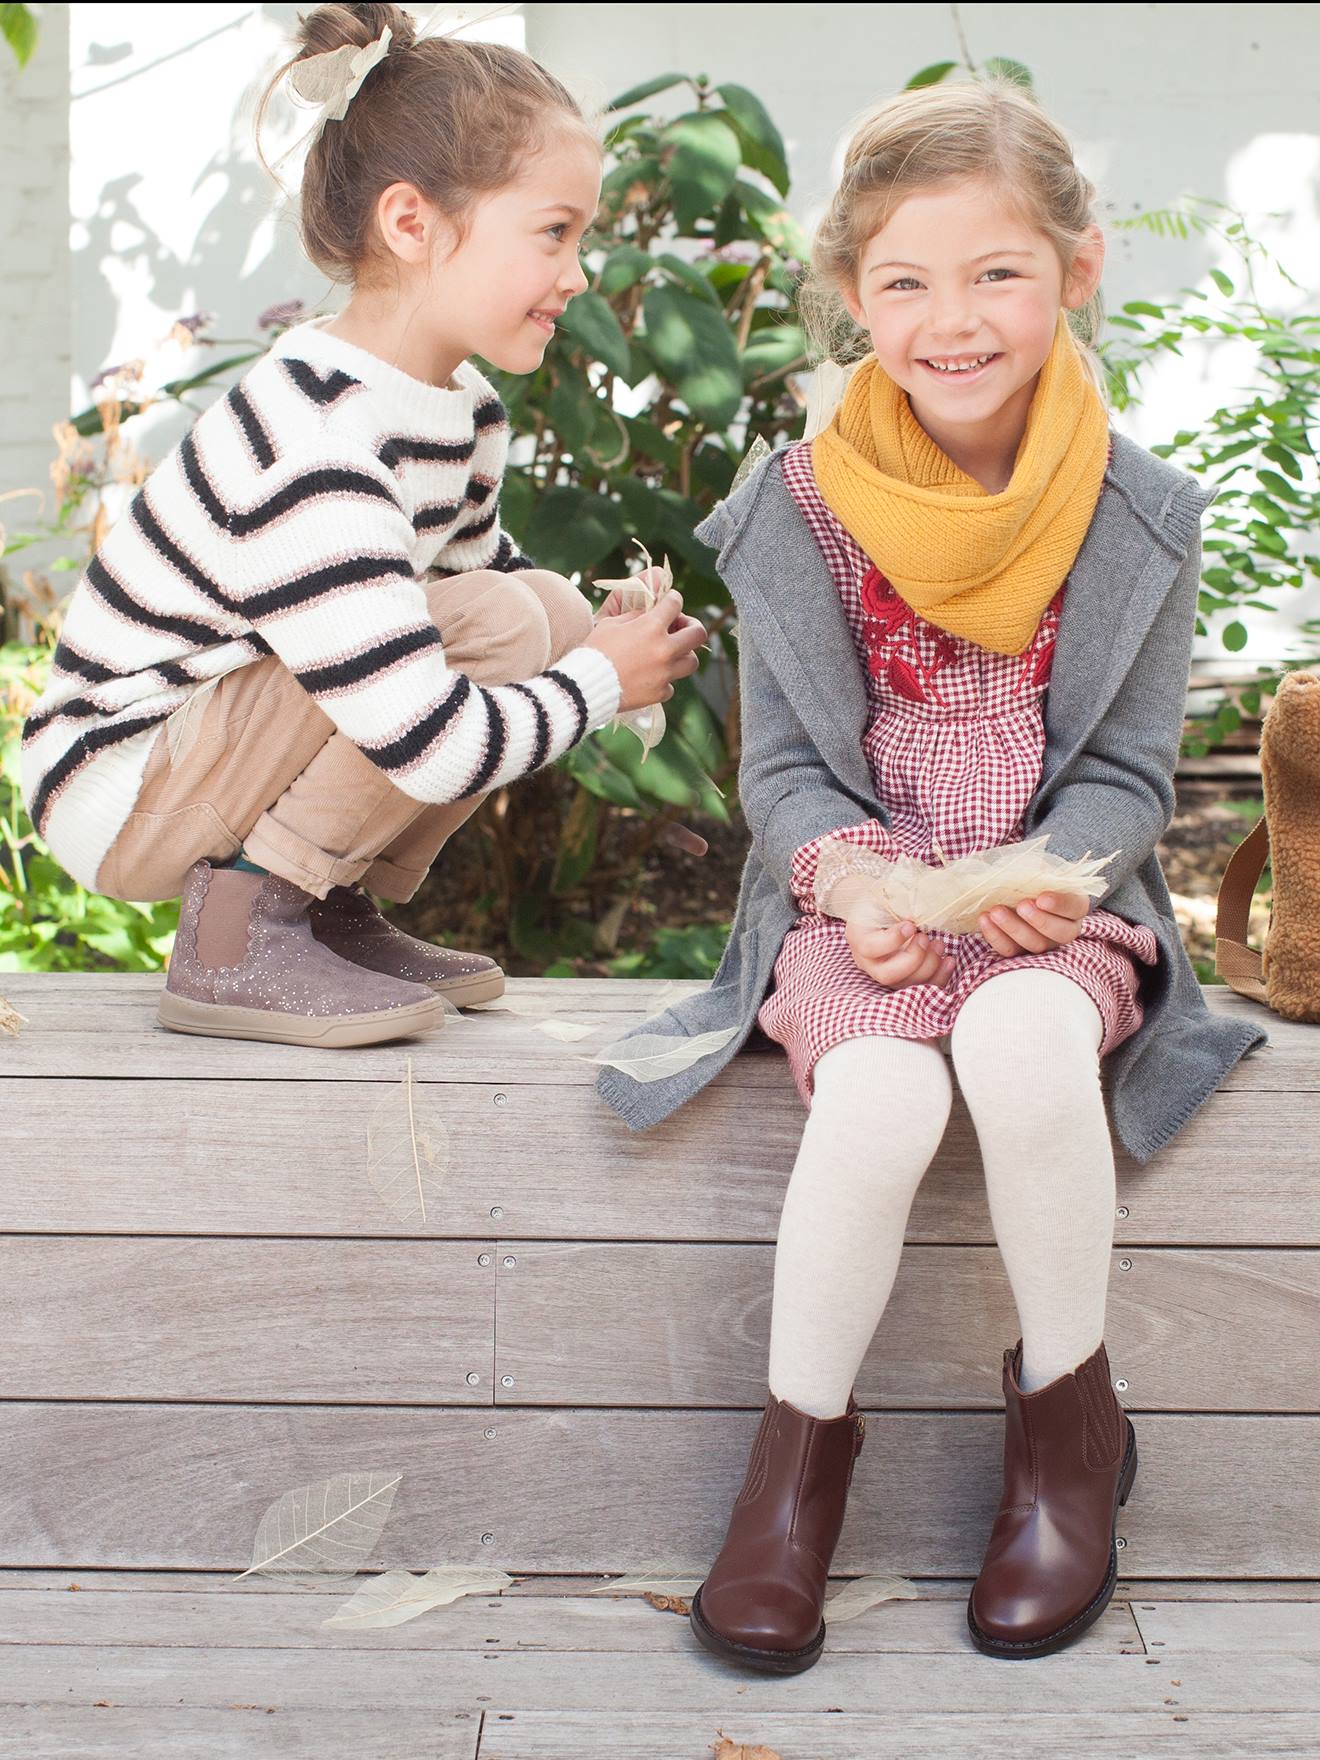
column 209, row 1298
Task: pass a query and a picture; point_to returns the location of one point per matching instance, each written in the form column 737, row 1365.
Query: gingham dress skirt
column 954, row 739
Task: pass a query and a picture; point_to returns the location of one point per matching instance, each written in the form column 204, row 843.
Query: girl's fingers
column 1056, row 926
column 1014, row 930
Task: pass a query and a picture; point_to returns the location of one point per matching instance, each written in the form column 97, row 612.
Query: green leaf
column 762, row 143
column 1235, row 636
column 705, row 160
column 593, row 767
column 1002, row 67
column 569, row 408
column 590, row 321
column 20, row 31
column 773, row 221
column 930, row 76
column 688, row 275
column 571, row 529
column 664, row 521
column 695, row 349
column 1284, row 460
column 623, row 269
column 773, row 350
column 1221, row 281
column 1144, row 307
column 662, row 82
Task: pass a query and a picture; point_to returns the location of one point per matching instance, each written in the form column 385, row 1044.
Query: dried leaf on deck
column 397, row 1596
column 567, row 1030
column 11, row 1021
column 327, row 1527
column 863, row 1592
column 407, row 1149
column 657, row 1580
column 724, row 1749
column 649, row 1057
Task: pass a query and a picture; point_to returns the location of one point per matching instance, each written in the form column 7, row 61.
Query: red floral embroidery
column 891, row 626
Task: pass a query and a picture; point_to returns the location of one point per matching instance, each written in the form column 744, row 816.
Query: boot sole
column 1015, row 1649
column 768, row 1661
column 465, row 992
column 181, row 1014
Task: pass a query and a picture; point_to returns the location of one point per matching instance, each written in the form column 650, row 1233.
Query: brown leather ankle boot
column 762, row 1602
column 1070, row 1456
column 247, row 966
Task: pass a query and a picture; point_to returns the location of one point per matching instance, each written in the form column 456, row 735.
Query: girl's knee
column 1017, row 1025
column 568, row 611
column 494, row 625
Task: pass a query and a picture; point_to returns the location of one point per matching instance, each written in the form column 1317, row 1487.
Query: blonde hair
column 979, row 130
column 453, row 117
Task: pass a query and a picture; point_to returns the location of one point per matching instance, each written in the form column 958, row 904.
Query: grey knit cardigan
column 1113, row 722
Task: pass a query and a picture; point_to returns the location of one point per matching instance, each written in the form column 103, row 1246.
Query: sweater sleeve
column 322, row 570
column 870, row 835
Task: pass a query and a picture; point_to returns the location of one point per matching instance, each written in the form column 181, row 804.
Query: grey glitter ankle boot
column 246, row 965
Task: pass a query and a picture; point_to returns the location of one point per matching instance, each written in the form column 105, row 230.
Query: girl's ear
column 1088, row 265
column 407, row 222
column 853, row 305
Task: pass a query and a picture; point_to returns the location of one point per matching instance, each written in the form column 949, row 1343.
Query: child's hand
column 650, row 649
column 613, row 605
column 898, row 955
column 1032, row 925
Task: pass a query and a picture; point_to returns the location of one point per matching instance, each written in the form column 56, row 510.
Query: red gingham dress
column 954, row 739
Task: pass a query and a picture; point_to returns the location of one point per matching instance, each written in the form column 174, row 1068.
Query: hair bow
column 331, row 80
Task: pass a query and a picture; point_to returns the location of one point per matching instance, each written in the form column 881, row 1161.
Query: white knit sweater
column 296, row 518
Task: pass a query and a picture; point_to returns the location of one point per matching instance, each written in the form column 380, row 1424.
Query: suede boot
column 1070, row 1456
column 762, row 1602
column 349, row 924
column 247, row 966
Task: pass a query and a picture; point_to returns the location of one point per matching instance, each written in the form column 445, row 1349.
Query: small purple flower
column 197, row 321
column 281, row 315
column 125, row 371
column 738, row 250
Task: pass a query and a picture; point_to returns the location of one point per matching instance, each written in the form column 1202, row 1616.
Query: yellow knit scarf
column 978, row 565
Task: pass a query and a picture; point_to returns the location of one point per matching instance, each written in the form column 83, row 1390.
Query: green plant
column 1257, row 448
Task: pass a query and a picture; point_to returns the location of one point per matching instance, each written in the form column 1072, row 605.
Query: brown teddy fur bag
column 1287, row 977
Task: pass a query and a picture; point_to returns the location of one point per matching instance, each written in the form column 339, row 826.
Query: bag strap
column 1235, row 962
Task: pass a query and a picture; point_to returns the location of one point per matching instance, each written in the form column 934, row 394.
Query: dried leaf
column 724, row 1749
column 760, row 448
column 648, row 1057
column 398, row 1596
column 649, row 1583
column 863, row 1592
column 327, row 1527
column 668, row 1603
column 825, row 391
column 407, row 1149
column 639, row 593
column 567, row 1030
column 11, row 1021
column 182, row 727
column 860, row 885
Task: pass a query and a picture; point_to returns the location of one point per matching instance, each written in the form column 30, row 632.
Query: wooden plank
column 548, row 1585
column 334, row 1322
column 106, row 1731
column 1236, row 1627
column 612, row 1324
column 685, row 1325
column 1078, row 1734
column 410, row 1680
column 557, row 1163
column 185, row 1486
column 268, row 1617
column 104, row 1024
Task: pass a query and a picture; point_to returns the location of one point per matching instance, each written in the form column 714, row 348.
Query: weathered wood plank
column 326, row 1321
column 133, row 1156
column 518, row 1680
column 288, row 1619
column 185, row 1486
column 1045, row 1735
column 1237, row 1627
column 104, row 1024
column 253, row 1732
column 402, row 1322
column 683, row 1325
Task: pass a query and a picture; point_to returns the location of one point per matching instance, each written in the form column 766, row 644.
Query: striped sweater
column 297, row 518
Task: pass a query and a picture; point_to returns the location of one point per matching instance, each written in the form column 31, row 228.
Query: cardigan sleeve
column 332, row 591
column 790, row 798
column 1119, row 789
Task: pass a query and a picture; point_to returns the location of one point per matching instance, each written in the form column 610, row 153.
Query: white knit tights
column 1025, row 1050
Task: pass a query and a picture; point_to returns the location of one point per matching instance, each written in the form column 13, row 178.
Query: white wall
column 169, row 211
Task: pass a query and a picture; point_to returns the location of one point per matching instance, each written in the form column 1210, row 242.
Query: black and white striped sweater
column 297, row 518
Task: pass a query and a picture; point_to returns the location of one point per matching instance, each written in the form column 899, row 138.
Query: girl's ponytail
column 453, row 117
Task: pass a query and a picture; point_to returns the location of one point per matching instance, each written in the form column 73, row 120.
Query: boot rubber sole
column 181, row 1014
column 464, row 992
column 768, row 1661
column 1015, row 1649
